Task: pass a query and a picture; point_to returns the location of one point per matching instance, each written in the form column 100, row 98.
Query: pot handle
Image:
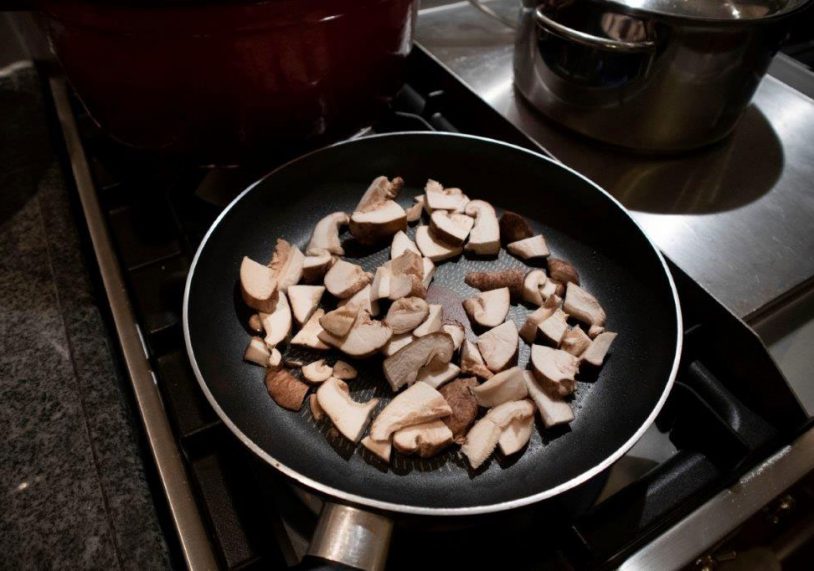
column 609, row 44
column 348, row 537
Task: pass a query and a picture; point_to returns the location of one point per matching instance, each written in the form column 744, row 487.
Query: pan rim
column 352, row 498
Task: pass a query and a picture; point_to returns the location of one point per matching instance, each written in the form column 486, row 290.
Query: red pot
column 223, row 80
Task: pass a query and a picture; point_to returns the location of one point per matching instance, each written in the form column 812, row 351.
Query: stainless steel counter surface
column 736, row 216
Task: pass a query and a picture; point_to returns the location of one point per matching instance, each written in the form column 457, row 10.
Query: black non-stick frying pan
column 580, row 222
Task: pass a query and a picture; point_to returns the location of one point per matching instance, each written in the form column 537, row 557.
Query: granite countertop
column 76, row 487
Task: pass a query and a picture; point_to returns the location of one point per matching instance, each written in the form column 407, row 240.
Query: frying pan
column 581, row 223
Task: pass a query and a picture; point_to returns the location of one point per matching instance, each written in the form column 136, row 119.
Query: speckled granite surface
column 74, row 490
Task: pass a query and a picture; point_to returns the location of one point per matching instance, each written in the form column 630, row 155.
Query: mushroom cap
column 514, row 227
column 286, row 390
column 458, row 395
column 380, row 223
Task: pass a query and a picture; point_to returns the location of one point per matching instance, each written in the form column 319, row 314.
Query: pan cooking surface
column 581, row 224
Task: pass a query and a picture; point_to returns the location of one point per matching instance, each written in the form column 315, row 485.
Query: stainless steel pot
column 649, row 75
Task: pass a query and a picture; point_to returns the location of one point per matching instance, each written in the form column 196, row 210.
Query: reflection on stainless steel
column 735, row 216
column 353, row 537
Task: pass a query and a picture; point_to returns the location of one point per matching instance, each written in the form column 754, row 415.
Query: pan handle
column 347, row 537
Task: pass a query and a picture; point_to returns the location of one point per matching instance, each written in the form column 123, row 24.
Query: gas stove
column 730, row 418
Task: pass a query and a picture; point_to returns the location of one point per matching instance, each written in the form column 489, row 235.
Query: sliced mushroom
column 432, row 323
column 553, row 328
column 596, row 351
column 380, row 223
column 363, row 300
column 402, row 243
column 553, row 411
column 380, row 449
column 286, row 390
column 550, row 288
column 529, row 248
column 414, row 212
column 345, row 279
column 515, row 436
column 258, row 285
column 472, row 361
column 275, row 359
column 325, row 237
column 532, row 284
column 380, row 288
column 429, row 271
column 317, row 372
column 456, row 331
column 484, row 239
column 255, row 324
column 595, row 330
column 426, row 439
column 339, row 321
column 451, row 228
column 348, row 416
column 514, row 227
column 583, row 306
column 575, row 341
column 498, row 346
column 504, row 413
column 484, row 281
column 396, row 343
column 380, row 190
column 458, row 395
column 304, row 300
column 435, row 376
column 562, row 271
column 365, row 337
column 433, row 247
column 402, row 368
column 418, row 404
column 286, row 263
column 439, row 198
column 529, row 329
column 277, row 324
column 344, row 371
column 257, row 352
column 406, row 276
column 315, row 267
column 488, row 308
column 308, row 336
column 484, row 436
column 508, row 385
column 406, row 314
column 316, row 410
column 555, row 369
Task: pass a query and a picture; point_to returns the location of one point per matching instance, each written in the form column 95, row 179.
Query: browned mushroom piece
column 433, row 246
column 348, row 416
column 344, row 371
column 516, row 435
column 381, row 449
column 452, row 228
column 514, row 227
column 286, row 263
column 553, row 327
column 403, row 367
column 484, row 281
column 472, row 361
column 508, row 385
column 366, row 337
column 308, row 336
column 277, row 324
column 555, row 369
column 255, row 324
column 414, row 212
column 325, row 238
column 258, row 285
column 562, row 271
column 529, row 248
column 575, row 341
column 417, row 404
column 286, row 390
column 363, row 300
column 339, row 321
column 433, row 322
column 437, row 375
column 599, row 347
column 316, row 410
column 458, row 395
column 377, row 216
column 456, row 331
column 345, row 279
column 317, row 372
column 583, row 306
column 304, row 300
column 484, row 239
column 485, row 434
column 315, row 267
column 426, row 439
column 257, row 352
column 553, row 410
column 488, row 308
column 402, row 243
column 406, row 276
column 498, row 346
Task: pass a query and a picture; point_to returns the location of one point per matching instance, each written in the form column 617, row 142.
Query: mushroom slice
column 553, row 328
column 435, row 376
column 553, row 411
column 506, row 386
column 308, row 336
column 458, row 395
column 439, row 198
column 488, row 308
column 426, row 439
column 380, row 190
column 555, row 369
column 406, row 314
column 345, row 279
column 396, row 343
column 583, row 306
column 515, row 436
column 304, row 300
column 472, row 361
column 484, row 281
column 595, row 330
column 596, row 351
column 315, row 267
column 514, row 227
column 529, row 329
column 562, row 271
column 456, row 331
column 316, row 410
column 532, row 283
column 286, row 263
column 504, row 413
column 529, row 248
column 452, row 228
column 432, row 323
column 402, row 243
column 255, row 324
column 275, row 359
column 407, row 276
column 433, row 247
column 372, row 226
column 317, row 372
column 484, row 239
column 575, row 341
column 418, row 404
column 344, row 371
column 365, row 337
column 325, row 237
column 380, row 288
column 484, row 436
column 429, row 271
column 277, row 324
column 414, row 212
column 363, row 300
column 257, row 352
column 403, row 367
column 380, row 449
column 286, row 390
column 258, row 286
column 348, row 416
column 498, row 346
column 339, row 321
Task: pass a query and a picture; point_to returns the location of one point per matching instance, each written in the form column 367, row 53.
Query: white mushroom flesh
column 439, row 198
column 452, row 228
column 277, row 324
column 304, row 300
column 406, row 314
column 596, row 351
column 308, row 336
column 402, row 243
column 325, row 237
column 363, row 300
column 418, row 404
column 553, row 328
column 375, row 225
column 488, row 308
column 583, row 306
column 315, row 267
column 429, row 271
column 345, row 279
column 472, row 361
column 257, row 352
column 456, row 332
column 529, row 248
column 555, row 369
column 552, row 410
column 484, row 239
column 348, row 416
column 344, row 371
column 317, row 372
column 258, row 285
column 380, row 449
column 402, row 368
column 498, row 346
column 435, row 376
column 366, row 337
column 432, row 323
column 575, row 341
column 339, row 321
column 529, row 329
column 433, row 247
column 396, row 343
column 532, row 283
column 516, row 435
column 275, row 359
column 425, row 439
column 286, row 264
column 506, row 386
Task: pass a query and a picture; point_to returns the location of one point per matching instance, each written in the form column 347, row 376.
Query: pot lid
column 718, row 10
